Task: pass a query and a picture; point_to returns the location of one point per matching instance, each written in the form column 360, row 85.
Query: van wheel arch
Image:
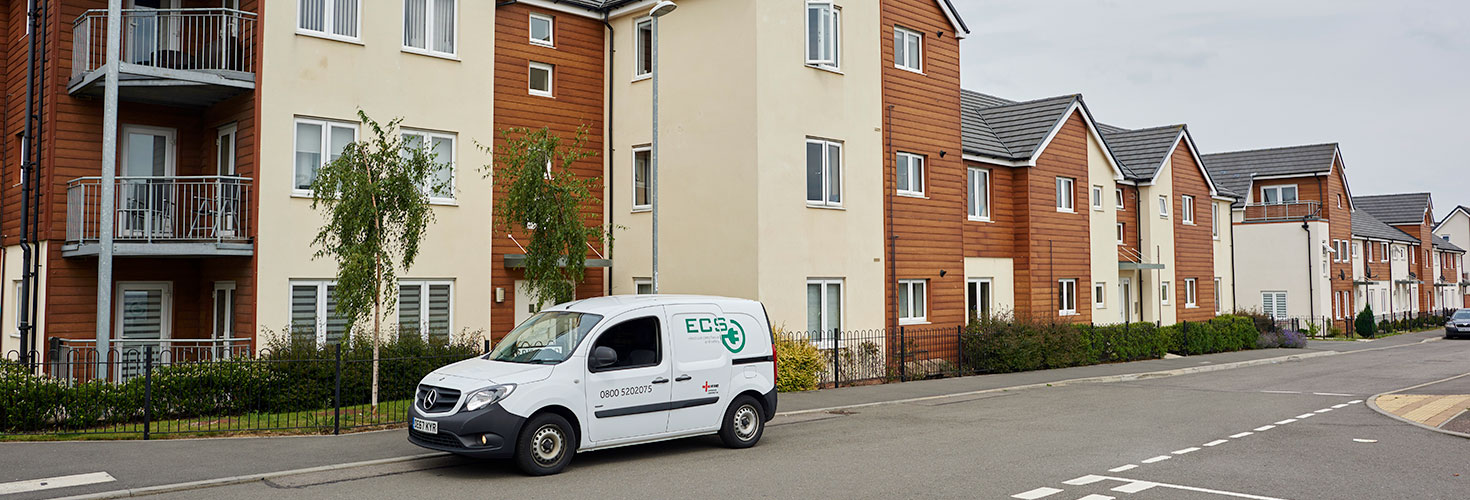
column 565, row 413
column 760, row 400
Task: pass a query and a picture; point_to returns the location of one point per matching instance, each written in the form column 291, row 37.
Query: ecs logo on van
column 732, row 335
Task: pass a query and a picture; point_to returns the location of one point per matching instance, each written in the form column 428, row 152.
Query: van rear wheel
column 743, row 423
column 546, row 445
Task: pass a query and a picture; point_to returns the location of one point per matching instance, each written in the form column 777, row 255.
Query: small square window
column 910, row 174
column 541, row 29
column 911, row 299
column 1118, row 193
column 1164, row 293
column 908, row 49
column 1097, row 201
column 540, row 79
column 1121, row 232
column 1098, row 294
column 1164, row 206
column 1066, row 194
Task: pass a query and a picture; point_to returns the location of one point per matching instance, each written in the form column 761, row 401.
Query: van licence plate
column 425, row 426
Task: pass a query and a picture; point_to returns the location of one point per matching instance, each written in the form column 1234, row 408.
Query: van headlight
column 488, row 396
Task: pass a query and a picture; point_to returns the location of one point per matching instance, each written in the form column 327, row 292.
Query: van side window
column 636, row 341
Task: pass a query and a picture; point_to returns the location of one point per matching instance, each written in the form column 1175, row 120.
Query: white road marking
column 1157, row 459
column 1241, row 435
column 1287, row 421
column 1096, row 496
column 1324, row 410
column 1217, row 442
column 1306, row 415
column 1088, row 479
column 1282, row 392
column 1356, row 440
column 1135, row 486
column 1123, row 468
column 1332, row 394
column 1037, row 493
column 1355, row 401
column 1265, row 428
column 55, row 482
column 1186, row 450
column 1340, row 405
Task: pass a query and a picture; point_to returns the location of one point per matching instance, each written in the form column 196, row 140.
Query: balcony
column 189, row 57
column 205, row 216
column 1280, row 212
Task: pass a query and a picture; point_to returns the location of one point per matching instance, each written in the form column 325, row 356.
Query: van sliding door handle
column 682, row 378
column 660, row 380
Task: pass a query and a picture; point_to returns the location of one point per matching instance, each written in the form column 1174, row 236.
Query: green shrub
column 799, row 364
column 1364, row 326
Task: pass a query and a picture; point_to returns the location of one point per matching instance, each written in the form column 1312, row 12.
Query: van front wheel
column 546, row 445
column 743, row 423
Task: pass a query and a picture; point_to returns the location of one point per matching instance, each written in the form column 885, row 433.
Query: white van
column 606, row 372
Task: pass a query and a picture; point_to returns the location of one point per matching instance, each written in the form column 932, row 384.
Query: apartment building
column 1412, row 213
column 1449, row 281
column 1454, row 228
column 1298, row 199
column 1381, row 279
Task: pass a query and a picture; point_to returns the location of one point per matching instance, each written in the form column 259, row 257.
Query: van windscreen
column 547, row 338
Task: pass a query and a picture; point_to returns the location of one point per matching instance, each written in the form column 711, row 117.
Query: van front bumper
column 485, row 433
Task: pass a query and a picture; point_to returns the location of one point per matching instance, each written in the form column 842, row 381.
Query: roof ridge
column 1426, row 193
column 1033, row 101
column 1280, row 148
column 997, row 136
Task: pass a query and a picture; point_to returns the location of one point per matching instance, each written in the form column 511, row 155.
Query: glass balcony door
column 150, row 33
column 145, row 199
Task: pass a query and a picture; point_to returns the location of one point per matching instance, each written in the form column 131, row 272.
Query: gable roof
column 1395, row 209
column 1009, row 130
column 1442, row 243
column 1235, row 170
column 1366, row 226
column 1143, row 151
column 1446, row 218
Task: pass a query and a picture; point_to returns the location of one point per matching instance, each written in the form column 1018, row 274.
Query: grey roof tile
column 1443, row 244
column 1365, row 225
column 1000, row 128
column 1402, row 208
column 1234, row 170
column 1142, row 151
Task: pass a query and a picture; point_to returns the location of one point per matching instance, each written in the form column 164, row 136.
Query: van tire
column 546, row 445
column 743, row 424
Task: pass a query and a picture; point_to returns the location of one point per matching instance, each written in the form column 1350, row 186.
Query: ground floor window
column 1191, row 292
column 314, row 312
column 425, row 308
column 1164, row 293
column 823, row 309
column 643, row 286
column 1067, row 297
column 911, row 299
column 1274, row 304
column 977, row 298
column 1098, row 291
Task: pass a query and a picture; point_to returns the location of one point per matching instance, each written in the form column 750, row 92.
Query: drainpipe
column 611, row 156
column 1234, row 288
column 1392, row 287
column 888, row 218
column 1311, row 283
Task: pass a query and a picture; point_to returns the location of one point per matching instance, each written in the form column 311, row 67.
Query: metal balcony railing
column 1271, row 212
column 161, row 209
column 208, row 40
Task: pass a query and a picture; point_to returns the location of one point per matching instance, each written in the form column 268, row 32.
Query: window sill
column 547, row 95
column 911, row 194
column 826, row 207
column 828, row 69
column 910, row 70
column 1189, row 223
column 436, row 55
column 1191, row 306
column 641, row 210
column 329, row 36
column 1068, row 313
column 1066, row 211
column 444, row 202
column 539, row 43
column 914, row 321
column 982, row 219
column 642, row 77
column 297, row 193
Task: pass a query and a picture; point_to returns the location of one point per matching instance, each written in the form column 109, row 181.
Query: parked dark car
column 1458, row 324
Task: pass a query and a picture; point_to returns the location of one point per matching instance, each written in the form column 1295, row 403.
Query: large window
column 425, row 308
column 429, row 26
column 318, row 142
column 314, row 312
column 910, row 174
column 1186, row 210
column 1066, row 194
column 908, row 49
column 643, row 48
column 541, row 30
column 1067, row 297
column 823, row 34
column 823, row 173
column 911, row 301
column 441, row 146
column 979, row 194
column 1191, row 292
column 823, row 309
column 1274, row 304
column 977, row 298
column 1275, row 195
column 538, row 78
column 328, row 18
column 642, row 172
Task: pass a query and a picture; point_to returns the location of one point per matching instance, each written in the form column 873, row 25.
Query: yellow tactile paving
column 1392, row 403
column 1424, row 413
column 1431, row 410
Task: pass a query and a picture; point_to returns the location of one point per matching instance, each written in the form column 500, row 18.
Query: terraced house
column 1413, row 213
column 1381, row 279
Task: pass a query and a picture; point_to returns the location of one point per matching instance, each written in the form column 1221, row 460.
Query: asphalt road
column 1285, row 431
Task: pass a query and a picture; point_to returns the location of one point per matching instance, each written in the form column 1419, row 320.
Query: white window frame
column 428, row 48
column 15, row 286
column 423, row 285
column 901, row 37
column 329, row 17
column 824, row 333
column 322, row 314
column 229, row 288
column 1187, row 208
column 324, row 156
column 982, row 210
column 1164, row 292
column 638, row 282
column 1066, row 196
column 832, row 41
column 1122, row 231
column 826, row 201
column 1191, row 293
column 550, row 40
column 1281, row 190
column 1067, row 297
column 427, row 138
column 1118, row 192
column 914, row 164
column 989, row 284
column 550, row 79
column 642, row 68
column 1099, row 294
column 1097, row 197
column 1215, row 220
column 646, row 207
column 1217, row 295
column 1164, row 206
column 1278, row 299
column 913, row 316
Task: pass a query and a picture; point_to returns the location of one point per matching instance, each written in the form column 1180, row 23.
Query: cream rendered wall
column 632, row 125
column 1104, row 235
column 1001, row 273
column 315, row 77
column 1223, row 248
column 1403, row 296
column 1158, row 247
column 1273, row 256
column 1457, row 229
column 9, row 335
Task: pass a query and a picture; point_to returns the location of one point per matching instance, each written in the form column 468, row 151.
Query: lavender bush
column 1283, row 338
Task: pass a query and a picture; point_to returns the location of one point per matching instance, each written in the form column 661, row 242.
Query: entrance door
column 224, row 316
column 630, row 398
column 1125, row 297
column 145, row 198
column 704, row 340
column 151, row 33
column 143, row 319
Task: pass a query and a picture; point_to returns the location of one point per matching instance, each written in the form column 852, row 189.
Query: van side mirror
column 604, row 356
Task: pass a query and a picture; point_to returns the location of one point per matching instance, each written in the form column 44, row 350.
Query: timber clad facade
column 1057, row 243
column 1194, row 247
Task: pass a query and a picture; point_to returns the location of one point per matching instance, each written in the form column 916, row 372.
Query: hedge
column 1002, row 345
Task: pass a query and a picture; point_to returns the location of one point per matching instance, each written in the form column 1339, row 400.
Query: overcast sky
column 1388, row 80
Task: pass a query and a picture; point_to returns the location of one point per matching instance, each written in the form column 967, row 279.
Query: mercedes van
column 606, row 372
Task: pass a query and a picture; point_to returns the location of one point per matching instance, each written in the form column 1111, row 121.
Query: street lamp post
column 659, row 10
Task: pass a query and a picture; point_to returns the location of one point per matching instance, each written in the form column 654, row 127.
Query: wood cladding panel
column 577, row 84
column 1128, row 215
column 996, row 238
column 1054, row 245
column 1338, row 212
column 1194, row 244
column 922, row 117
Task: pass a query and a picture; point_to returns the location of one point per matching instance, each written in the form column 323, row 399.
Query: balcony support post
column 107, row 215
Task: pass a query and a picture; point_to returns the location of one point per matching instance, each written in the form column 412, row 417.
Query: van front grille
column 442, row 401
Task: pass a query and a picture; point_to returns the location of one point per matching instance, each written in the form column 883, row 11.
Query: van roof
column 614, row 304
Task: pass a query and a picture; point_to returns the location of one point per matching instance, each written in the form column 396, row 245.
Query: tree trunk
column 377, row 289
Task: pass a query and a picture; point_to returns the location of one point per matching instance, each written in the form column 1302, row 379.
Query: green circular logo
column 734, row 337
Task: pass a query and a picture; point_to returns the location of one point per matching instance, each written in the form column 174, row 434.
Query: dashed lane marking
column 1134, row 487
column 1282, row 392
column 55, row 482
column 1306, row 415
column 1342, row 405
column 1324, row 410
column 1042, row 492
column 1186, row 450
column 1332, row 394
column 1264, row 428
column 1217, row 442
column 1241, row 435
column 1124, row 468
column 1084, row 480
column 1355, row 401
column 1157, row 459
column 1287, row 421
column 1096, row 496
